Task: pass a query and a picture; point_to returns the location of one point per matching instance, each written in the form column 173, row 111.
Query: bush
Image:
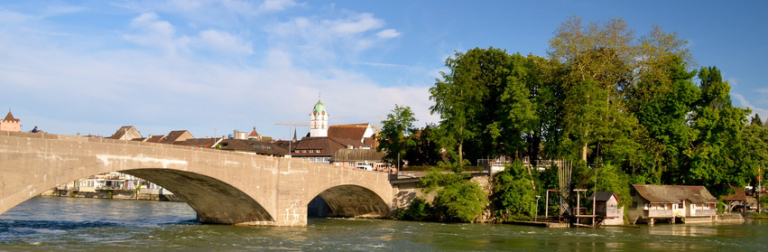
column 513, row 195
column 436, row 179
column 418, row 210
column 462, row 201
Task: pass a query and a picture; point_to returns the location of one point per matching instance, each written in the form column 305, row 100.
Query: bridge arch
column 214, row 200
column 351, row 200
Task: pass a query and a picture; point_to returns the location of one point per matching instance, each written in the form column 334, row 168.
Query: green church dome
column 319, row 107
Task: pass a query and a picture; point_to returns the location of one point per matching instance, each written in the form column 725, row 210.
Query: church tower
column 319, row 121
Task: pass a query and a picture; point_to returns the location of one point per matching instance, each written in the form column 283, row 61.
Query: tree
column 756, row 120
column 662, row 104
column 426, row 151
column 599, row 66
column 611, row 178
column 755, row 152
column 712, row 155
column 516, row 116
column 467, row 98
column 393, row 138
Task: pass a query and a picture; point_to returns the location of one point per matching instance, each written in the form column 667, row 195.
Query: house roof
column 122, row 131
column 259, row 147
column 254, row 133
column 177, row 135
column 674, row 193
column 9, row 117
column 327, row 145
column 370, row 142
column 285, row 144
column 348, row 131
column 199, row 142
column 738, row 194
column 342, row 155
column 156, row 139
column 605, row 196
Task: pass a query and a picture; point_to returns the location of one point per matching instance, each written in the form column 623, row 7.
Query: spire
column 10, row 117
column 294, row 134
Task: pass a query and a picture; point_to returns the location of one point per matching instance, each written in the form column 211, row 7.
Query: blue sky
column 212, row 67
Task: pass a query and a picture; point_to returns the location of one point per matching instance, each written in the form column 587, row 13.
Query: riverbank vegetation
column 624, row 109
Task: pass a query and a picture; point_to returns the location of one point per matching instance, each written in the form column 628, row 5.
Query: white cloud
column 342, row 38
column 225, row 42
column 388, row 33
column 155, row 33
column 356, row 24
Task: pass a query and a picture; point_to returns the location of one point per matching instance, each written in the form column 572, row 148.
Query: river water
column 76, row 224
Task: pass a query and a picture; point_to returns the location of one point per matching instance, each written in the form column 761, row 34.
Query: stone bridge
column 222, row 187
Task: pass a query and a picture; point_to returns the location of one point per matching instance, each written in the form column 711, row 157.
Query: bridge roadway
column 222, row 187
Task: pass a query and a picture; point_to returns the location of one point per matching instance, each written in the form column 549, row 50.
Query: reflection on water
column 46, row 224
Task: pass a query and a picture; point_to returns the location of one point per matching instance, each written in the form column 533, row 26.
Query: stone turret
column 10, row 123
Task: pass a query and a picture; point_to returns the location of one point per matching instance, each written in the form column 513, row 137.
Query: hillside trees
column 624, row 108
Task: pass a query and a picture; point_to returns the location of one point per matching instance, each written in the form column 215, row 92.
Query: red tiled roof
column 371, row 142
column 738, row 195
column 348, row 131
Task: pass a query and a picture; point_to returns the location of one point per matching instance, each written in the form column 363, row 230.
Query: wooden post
column 546, row 206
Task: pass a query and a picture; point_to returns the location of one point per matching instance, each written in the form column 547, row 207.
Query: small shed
column 607, row 207
column 736, row 201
